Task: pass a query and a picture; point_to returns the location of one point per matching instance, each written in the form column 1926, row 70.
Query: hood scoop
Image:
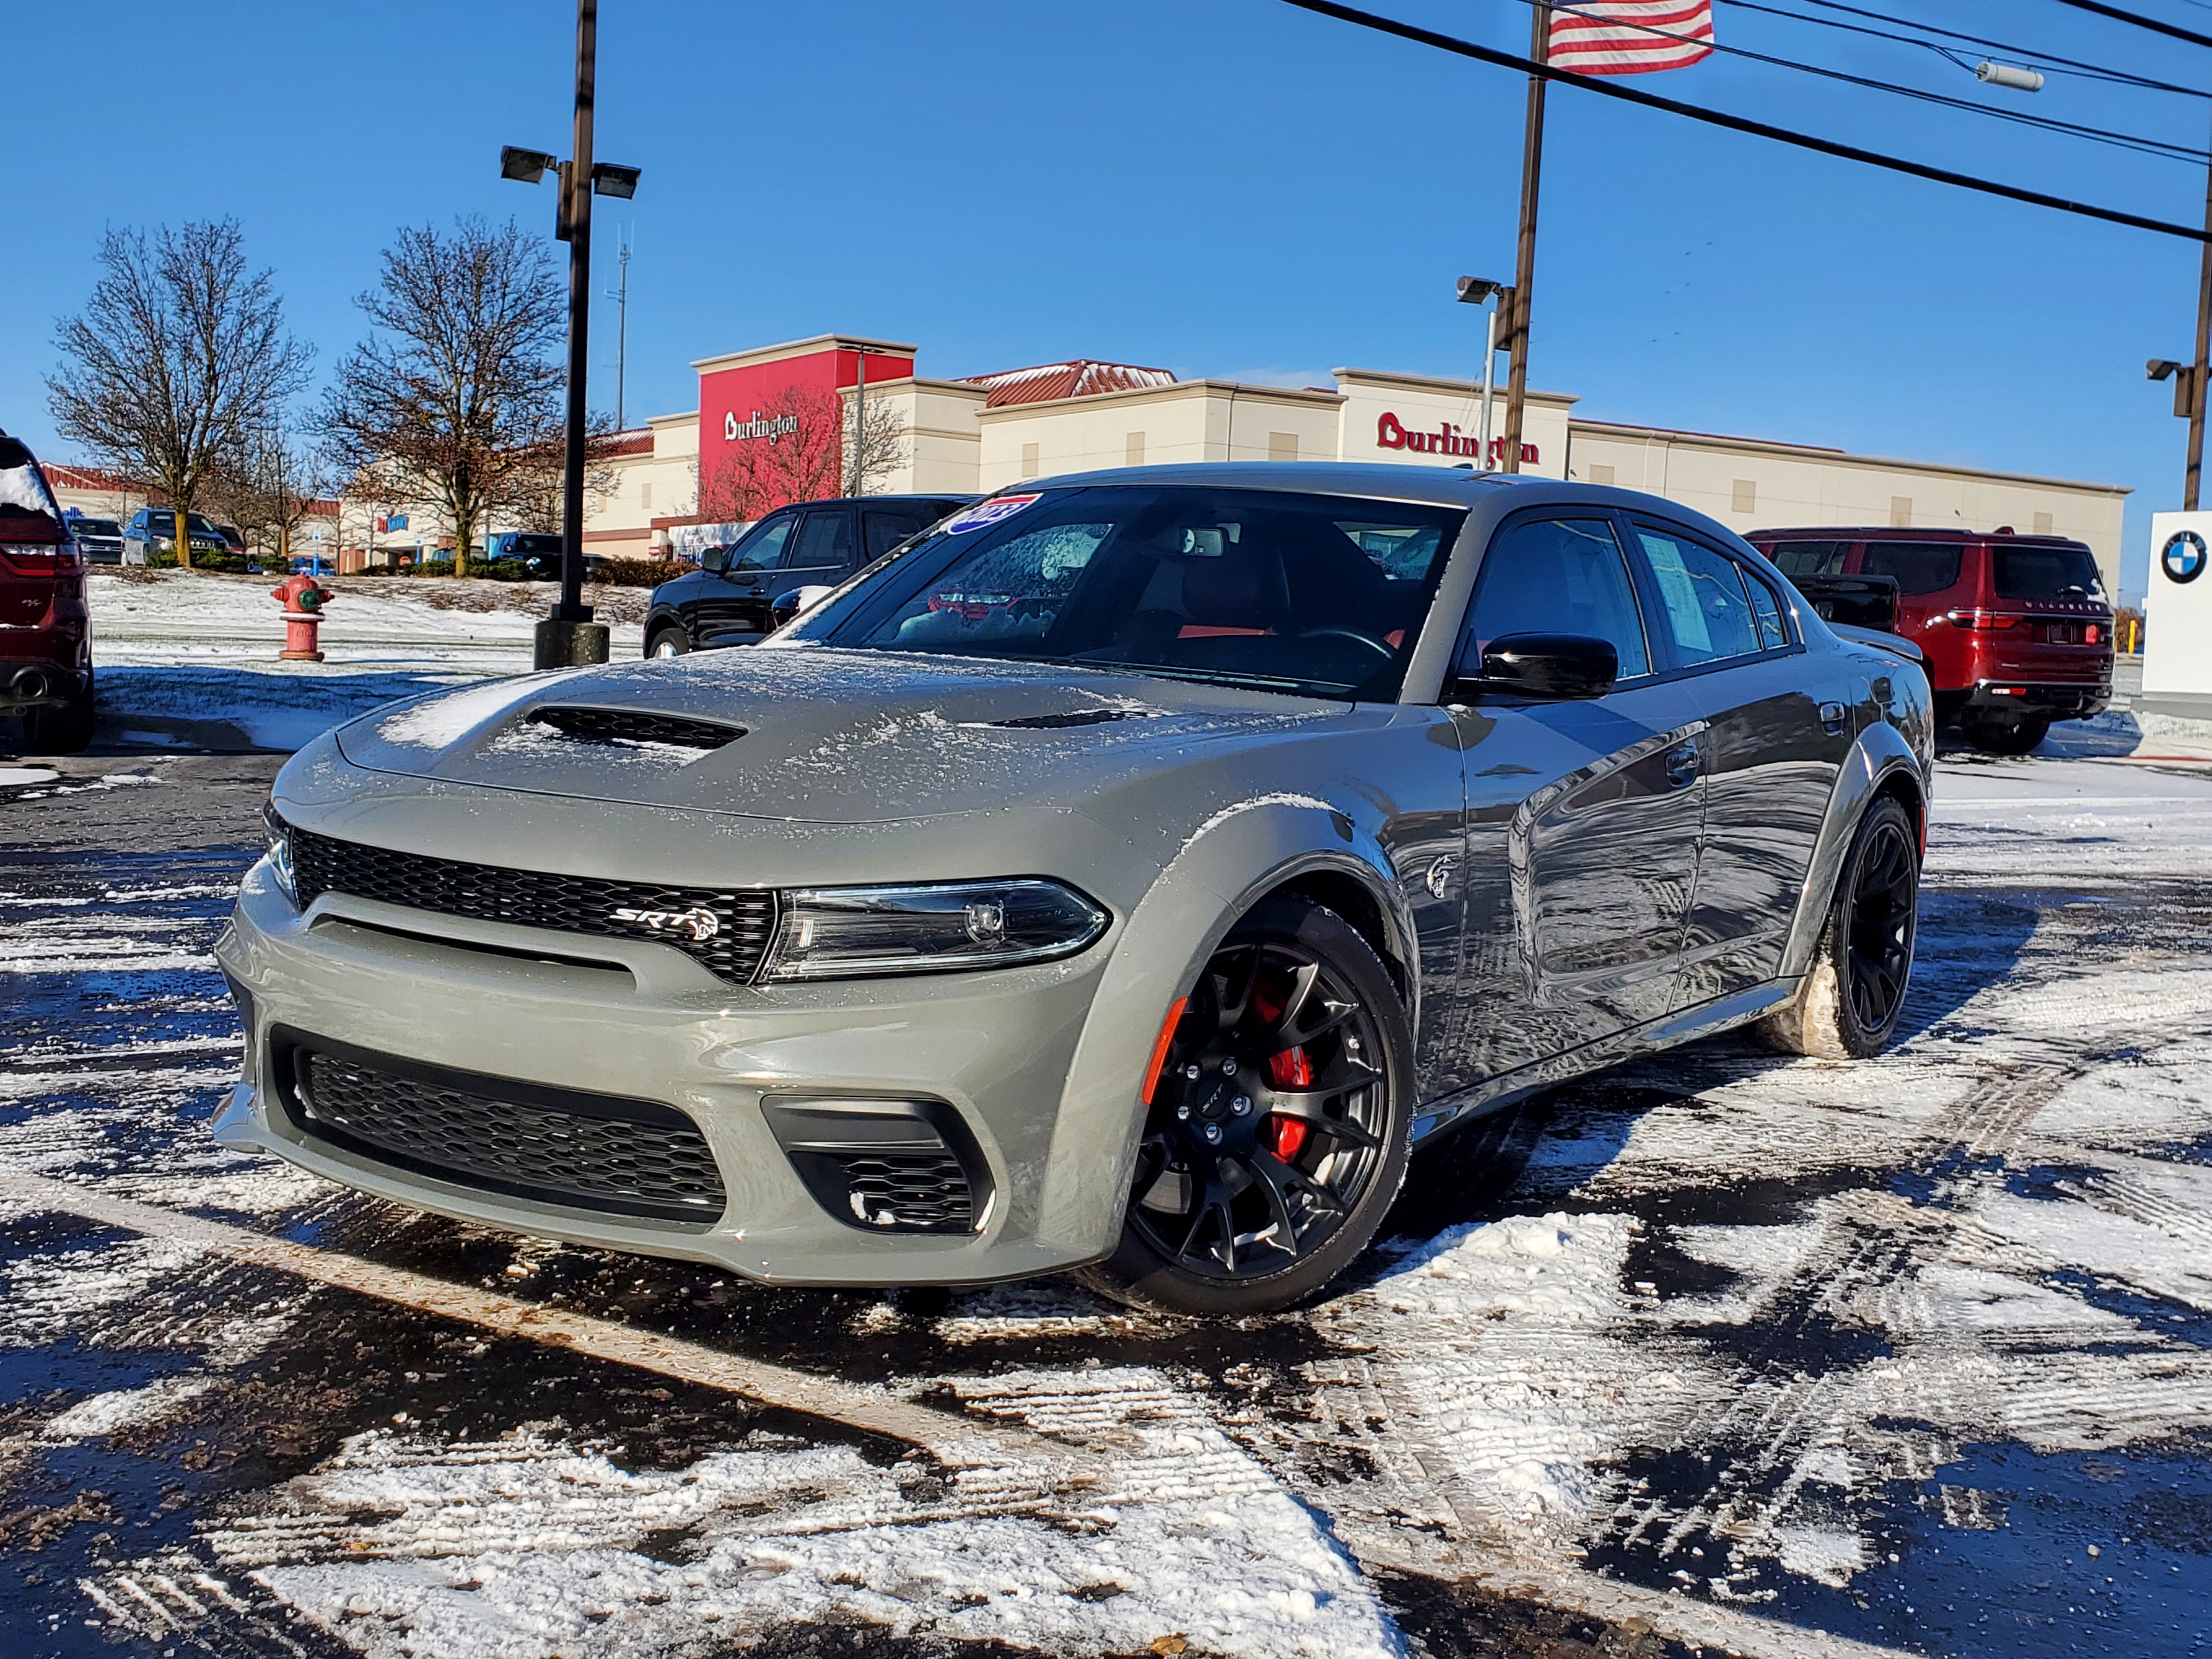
column 636, row 726
column 1055, row 722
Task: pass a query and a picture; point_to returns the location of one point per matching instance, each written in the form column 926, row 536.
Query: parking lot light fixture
column 526, row 167
column 1474, row 291
column 610, row 178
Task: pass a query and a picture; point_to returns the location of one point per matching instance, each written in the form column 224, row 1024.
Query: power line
column 2173, row 31
column 2135, row 142
column 1740, row 123
column 2039, row 59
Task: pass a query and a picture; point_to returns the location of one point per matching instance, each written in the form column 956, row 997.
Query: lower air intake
column 563, row 1146
column 890, row 1166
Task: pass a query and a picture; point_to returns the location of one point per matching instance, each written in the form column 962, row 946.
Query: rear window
column 1918, row 567
column 1807, row 558
column 2045, row 573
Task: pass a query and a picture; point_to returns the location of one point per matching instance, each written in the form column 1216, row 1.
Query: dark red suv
column 2017, row 630
column 46, row 635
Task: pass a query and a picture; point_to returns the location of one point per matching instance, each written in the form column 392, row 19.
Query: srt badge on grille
column 698, row 924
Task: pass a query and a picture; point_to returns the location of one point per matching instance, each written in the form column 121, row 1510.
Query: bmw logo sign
column 2183, row 557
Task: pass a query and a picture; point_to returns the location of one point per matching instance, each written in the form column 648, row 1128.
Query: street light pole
column 569, row 635
column 2192, row 476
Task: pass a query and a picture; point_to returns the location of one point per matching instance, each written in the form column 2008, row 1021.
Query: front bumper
column 643, row 1021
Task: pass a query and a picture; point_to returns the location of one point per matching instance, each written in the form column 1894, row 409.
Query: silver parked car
column 1128, row 876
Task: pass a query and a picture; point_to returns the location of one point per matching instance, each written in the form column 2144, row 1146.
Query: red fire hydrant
column 303, row 600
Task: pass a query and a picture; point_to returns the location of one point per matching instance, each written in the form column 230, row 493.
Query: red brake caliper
column 1291, row 1069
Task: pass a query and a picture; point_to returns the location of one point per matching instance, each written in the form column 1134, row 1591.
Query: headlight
column 280, row 855
column 837, row 933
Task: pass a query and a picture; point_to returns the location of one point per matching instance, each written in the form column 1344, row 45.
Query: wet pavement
column 1719, row 1350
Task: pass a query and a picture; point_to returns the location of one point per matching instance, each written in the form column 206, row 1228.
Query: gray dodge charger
column 1129, row 875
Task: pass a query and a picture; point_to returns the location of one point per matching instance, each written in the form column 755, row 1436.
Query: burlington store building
column 981, row 432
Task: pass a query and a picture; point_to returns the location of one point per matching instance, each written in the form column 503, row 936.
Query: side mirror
column 714, row 559
column 1563, row 665
column 789, row 605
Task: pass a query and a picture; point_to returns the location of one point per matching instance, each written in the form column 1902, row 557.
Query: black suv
column 744, row 592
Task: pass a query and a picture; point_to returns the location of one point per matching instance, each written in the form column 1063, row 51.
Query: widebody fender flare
column 1881, row 760
column 1163, row 947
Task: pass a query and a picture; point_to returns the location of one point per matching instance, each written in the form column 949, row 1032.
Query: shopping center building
column 978, row 433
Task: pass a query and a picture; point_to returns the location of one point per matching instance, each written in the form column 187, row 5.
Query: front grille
column 924, row 1191
column 727, row 929
column 560, row 1146
column 637, row 726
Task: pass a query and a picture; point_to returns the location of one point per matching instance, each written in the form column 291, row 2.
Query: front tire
column 668, row 642
column 1854, row 992
column 1279, row 1132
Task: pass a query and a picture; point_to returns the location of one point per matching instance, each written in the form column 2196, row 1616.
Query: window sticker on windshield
column 986, row 512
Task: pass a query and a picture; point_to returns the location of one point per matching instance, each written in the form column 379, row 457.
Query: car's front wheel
column 1854, row 992
column 668, row 642
column 1278, row 1132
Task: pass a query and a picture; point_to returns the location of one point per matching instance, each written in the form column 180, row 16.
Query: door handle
column 1683, row 765
column 1831, row 717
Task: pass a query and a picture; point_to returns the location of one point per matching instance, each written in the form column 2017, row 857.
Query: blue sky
column 1226, row 187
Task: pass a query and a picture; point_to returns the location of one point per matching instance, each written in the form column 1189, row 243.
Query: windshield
column 2046, row 573
column 1320, row 595
column 529, row 546
column 97, row 527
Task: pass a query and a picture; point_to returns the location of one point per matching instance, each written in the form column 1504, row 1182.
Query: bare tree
column 177, row 359
column 271, row 488
column 455, row 402
column 877, row 446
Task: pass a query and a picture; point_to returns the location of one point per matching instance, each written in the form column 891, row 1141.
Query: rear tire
column 1263, row 1179
column 1854, row 992
column 64, row 731
column 2017, row 734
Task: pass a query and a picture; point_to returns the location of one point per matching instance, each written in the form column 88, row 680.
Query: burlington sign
column 770, row 426
column 1445, row 439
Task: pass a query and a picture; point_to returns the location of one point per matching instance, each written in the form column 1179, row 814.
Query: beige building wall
column 1749, row 484
column 660, row 483
column 1155, row 426
column 938, row 438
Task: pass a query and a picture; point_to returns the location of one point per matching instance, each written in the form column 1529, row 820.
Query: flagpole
column 1524, row 268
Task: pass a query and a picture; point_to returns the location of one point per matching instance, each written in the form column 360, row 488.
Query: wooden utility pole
column 2190, row 479
column 1524, row 268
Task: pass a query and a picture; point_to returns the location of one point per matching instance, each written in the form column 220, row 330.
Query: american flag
column 1629, row 37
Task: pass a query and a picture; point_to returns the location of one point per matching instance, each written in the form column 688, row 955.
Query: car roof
column 1491, row 495
column 1911, row 533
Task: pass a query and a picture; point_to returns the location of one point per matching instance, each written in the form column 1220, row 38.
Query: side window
column 825, row 541
column 1773, row 632
column 759, row 549
column 1708, row 611
column 1807, row 558
column 1918, row 567
column 1557, row 576
column 883, row 528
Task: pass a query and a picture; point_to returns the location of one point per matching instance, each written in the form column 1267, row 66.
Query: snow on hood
column 836, row 737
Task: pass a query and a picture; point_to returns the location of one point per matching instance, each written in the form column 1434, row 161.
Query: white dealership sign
column 2177, row 615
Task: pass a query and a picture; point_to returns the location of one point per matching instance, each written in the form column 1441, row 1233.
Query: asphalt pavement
column 1721, row 1352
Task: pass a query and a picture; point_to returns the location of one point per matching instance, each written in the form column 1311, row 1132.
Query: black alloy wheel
column 1882, row 909
column 1277, row 1134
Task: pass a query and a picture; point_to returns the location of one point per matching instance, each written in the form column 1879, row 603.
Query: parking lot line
column 952, row 1440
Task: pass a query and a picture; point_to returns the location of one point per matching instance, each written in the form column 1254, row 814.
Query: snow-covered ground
column 1819, row 1355
column 193, row 657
